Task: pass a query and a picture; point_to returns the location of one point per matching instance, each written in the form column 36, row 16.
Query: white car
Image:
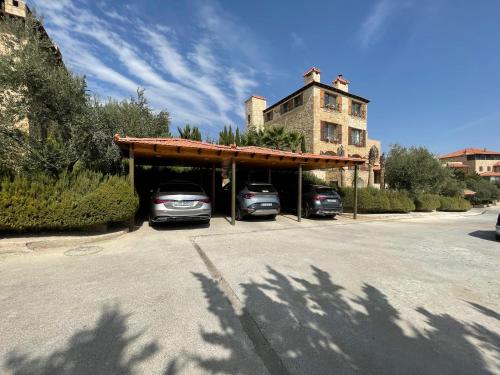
column 498, row 228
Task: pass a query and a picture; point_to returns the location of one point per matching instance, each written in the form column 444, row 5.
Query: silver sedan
column 180, row 201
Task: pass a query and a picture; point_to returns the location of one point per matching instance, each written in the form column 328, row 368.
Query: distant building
column 332, row 120
column 484, row 162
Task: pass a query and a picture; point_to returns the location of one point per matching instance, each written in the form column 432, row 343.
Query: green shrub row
column 371, row 200
column 70, row 202
column 455, row 204
column 427, row 202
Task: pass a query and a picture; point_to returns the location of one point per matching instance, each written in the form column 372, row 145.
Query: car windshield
column 325, row 190
column 180, row 188
column 261, row 188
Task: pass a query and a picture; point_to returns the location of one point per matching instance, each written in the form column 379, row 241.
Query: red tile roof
column 341, row 79
column 469, row 151
column 490, row 174
column 313, row 69
column 248, row 150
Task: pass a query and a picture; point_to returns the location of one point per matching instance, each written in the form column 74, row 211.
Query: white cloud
column 375, row 24
column 192, row 80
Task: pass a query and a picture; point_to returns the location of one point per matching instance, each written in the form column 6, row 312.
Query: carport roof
column 176, row 151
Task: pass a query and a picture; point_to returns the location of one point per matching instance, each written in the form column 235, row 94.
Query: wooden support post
column 269, row 175
column 131, row 175
column 355, row 215
column 213, row 188
column 233, row 192
column 299, row 194
column 131, row 165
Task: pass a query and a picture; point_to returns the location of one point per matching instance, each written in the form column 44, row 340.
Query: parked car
column 179, row 201
column 498, row 228
column 255, row 199
column 320, row 200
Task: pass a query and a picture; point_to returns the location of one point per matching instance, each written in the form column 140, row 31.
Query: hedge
column 427, row 202
column 371, row 200
column 70, row 202
column 455, row 204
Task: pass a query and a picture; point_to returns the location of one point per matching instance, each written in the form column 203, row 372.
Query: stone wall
column 299, row 119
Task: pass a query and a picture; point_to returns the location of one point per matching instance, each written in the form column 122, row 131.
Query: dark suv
column 320, row 200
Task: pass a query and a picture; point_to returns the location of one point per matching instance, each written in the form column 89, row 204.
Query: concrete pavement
column 407, row 296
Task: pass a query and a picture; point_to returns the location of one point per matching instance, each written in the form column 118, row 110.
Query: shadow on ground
column 315, row 328
column 484, row 234
column 103, row 349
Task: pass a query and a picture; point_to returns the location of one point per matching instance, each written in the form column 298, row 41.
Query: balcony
column 332, row 107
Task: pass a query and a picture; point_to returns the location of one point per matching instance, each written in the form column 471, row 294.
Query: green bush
column 70, row 202
column 427, row 202
column 371, row 200
column 455, row 204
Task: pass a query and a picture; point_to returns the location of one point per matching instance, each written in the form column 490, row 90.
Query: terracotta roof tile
column 179, row 142
column 490, row 174
column 469, row 151
column 313, row 69
column 341, row 79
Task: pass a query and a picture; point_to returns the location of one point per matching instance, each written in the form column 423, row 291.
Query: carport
column 184, row 152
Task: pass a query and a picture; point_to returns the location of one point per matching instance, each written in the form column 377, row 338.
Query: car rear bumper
column 261, row 211
column 167, row 215
column 327, row 211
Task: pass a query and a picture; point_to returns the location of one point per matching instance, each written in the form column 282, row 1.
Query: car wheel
column 151, row 223
column 239, row 215
column 306, row 212
column 272, row 217
column 334, row 216
column 498, row 237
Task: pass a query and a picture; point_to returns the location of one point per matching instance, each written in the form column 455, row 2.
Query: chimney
column 341, row 83
column 254, row 112
column 311, row 75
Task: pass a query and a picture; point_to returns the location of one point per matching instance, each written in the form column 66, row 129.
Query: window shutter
column 349, row 134
column 339, row 102
column 321, row 98
column 364, row 138
column 339, row 132
column 363, row 109
column 350, row 107
column 322, row 130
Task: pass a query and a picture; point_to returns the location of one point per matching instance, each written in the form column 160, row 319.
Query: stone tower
column 254, row 112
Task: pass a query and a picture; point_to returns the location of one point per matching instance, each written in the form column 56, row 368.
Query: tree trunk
column 382, row 178
column 370, row 175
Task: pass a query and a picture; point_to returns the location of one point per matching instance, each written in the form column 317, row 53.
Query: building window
column 330, row 132
column 15, row 3
column 269, row 116
column 331, row 101
column 249, row 118
column 285, row 107
column 480, row 169
column 489, row 169
column 356, row 137
column 297, row 101
column 357, row 109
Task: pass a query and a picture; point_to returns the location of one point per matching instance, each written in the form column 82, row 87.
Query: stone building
column 332, row 120
column 19, row 10
column 484, row 162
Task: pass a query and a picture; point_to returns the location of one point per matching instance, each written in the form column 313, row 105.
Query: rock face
column 327, row 115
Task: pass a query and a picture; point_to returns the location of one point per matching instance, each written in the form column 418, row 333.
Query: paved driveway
column 409, row 296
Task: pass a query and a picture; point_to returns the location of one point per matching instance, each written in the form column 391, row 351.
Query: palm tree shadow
column 315, row 328
column 103, row 349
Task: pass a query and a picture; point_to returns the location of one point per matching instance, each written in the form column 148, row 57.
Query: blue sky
column 429, row 67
